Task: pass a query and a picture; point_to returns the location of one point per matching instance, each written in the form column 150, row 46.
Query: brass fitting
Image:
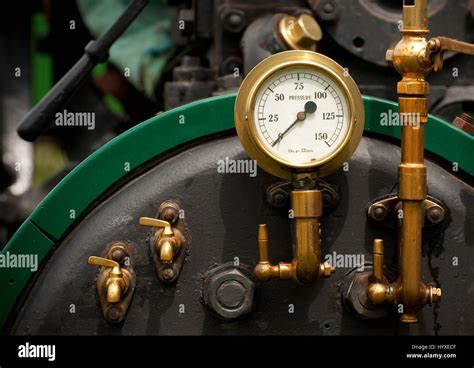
column 115, row 280
column 168, row 240
column 306, row 266
column 414, row 58
column 301, row 33
column 411, row 294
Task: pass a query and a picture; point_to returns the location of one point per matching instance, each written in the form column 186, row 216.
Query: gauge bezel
column 246, row 100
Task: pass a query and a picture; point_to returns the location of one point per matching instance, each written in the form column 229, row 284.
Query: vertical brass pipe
column 263, row 242
column 413, row 89
column 412, row 192
column 378, row 261
column 415, row 17
column 307, row 208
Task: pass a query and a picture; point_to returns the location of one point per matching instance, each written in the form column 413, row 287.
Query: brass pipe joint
column 306, row 266
column 380, row 292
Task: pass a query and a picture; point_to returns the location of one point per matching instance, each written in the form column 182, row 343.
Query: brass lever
column 116, row 283
column 148, row 221
column 437, row 46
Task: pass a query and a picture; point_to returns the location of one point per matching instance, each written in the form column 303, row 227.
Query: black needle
column 309, row 108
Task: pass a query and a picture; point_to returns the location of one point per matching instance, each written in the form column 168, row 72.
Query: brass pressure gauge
column 299, row 111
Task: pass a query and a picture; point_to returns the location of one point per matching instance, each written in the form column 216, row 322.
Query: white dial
column 301, row 116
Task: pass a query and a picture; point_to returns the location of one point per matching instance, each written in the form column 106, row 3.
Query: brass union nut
column 327, row 270
column 435, row 295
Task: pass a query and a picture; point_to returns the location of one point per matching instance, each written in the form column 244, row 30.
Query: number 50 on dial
column 299, row 111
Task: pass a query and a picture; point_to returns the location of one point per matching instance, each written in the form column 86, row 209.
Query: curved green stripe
column 78, row 190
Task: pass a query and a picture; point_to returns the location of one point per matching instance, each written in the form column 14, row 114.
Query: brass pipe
column 412, row 192
column 378, row 260
column 263, row 243
column 264, row 269
column 378, row 291
column 415, row 17
column 306, row 265
column 408, row 59
column 307, row 208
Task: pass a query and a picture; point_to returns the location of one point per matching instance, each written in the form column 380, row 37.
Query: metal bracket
column 385, row 210
column 277, row 195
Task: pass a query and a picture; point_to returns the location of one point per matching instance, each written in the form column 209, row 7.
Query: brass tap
column 168, row 240
column 306, row 265
column 116, row 280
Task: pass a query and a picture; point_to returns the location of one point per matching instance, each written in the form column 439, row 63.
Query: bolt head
column 379, row 212
column 278, row 198
column 328, row 10
column 114, row 313
column 435, row 214
column 168, row 273
column 328, row 7
column 228, row 292
column 234, row 21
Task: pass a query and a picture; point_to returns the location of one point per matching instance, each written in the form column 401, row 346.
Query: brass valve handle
column 105, row 262
column 116, row 284
column 148, row 221
column 439, row 45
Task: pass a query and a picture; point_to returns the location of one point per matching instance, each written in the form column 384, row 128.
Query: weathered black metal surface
column 223, row 212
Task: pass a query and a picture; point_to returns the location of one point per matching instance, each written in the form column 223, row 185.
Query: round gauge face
column 301, row 116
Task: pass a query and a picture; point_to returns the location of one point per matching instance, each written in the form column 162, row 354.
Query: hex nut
column 229, row 293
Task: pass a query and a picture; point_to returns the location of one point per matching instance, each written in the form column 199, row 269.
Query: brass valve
column 302, row 33
column 168, row 241
column 116, row 282
column 437, row 47
column 380, row 292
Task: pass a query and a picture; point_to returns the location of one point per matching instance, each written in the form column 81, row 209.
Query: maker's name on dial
column 301, row 150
